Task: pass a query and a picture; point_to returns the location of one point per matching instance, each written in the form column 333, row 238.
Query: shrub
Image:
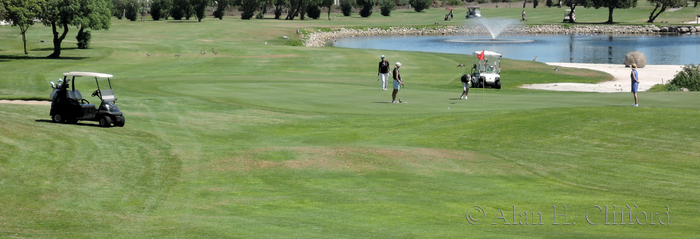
column 313, row 11
column 155, row 10
column 658, row 88
column 386, row 6
column 689, row 78
column 367, row 6
column 131, row 10
column 247, row 8
column 346, row 7
column 401, row 2
column 83, row 38
column 419, row 5
column 451, row 3
column 549, row 3
column 535, row 3
column 295, row 42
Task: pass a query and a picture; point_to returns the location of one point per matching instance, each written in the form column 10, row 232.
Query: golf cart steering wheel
column 84, row 101
column 96, row 93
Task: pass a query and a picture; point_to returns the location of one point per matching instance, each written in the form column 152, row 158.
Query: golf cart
column 569, row 16
column 487, row 69
column 68, row 105
column 473, row 12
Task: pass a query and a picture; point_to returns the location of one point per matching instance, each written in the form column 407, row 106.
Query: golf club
column 403, row 90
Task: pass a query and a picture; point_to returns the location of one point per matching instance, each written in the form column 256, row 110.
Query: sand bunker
column 648, row 77
column 25, row 102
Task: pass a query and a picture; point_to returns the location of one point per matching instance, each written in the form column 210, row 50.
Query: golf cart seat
column 108, row 95
column 74, row 94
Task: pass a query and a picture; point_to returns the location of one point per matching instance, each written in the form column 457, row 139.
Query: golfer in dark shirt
column 383, row 72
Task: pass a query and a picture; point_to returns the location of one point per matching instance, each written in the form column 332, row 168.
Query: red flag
column 481, row 56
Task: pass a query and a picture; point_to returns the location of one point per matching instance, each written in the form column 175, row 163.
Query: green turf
column 274, row 141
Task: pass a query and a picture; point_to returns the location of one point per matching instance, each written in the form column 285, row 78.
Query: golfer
column 397, row 82
column 383, row 72
column 635, row 83
column 466, row 81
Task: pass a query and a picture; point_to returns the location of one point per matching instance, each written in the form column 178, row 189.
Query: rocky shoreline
column 318, row 38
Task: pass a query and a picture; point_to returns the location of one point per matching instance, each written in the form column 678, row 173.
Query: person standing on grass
column 635, row 83
column 466, row 80
column 397, row 82
column 523, row 16
column 383, row 72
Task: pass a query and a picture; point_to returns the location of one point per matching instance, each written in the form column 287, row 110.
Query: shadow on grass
column 182, row 21
column 77, row 124
column 19, row 57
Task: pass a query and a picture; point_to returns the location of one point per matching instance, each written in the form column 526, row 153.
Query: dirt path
column 25, row 102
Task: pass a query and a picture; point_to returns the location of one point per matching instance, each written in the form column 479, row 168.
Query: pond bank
column 318, row 38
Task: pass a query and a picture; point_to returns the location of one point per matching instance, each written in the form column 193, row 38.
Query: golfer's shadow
column 77, row 124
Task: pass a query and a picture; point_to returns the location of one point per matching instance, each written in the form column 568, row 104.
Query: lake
column 574, row 48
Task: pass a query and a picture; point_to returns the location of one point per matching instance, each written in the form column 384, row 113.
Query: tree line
column 97, row 14
column 59, row 15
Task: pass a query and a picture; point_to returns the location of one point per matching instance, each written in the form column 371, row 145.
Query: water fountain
column 495, row 26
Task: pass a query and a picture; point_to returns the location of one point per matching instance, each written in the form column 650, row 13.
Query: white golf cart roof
column 489, row 53
column 88, row 74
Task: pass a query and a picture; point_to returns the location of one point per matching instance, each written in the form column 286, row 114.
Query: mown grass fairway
column 273, row 141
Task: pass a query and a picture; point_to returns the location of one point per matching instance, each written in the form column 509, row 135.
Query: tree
column 328, row 4
column 58, row 14
column 297, row 8
column 549, row 3
column 200, row 8
column 535, row 3
column 118, row 8
column 313, row 11
column 156, row 7
column 419, row 5
column 262, row 8
column 166, row 8
column 132, row 9
column 22, row 14
column 612, row 4
column 221, row 6
column 93, row 14
column 279, row 6
column 386, row 6
column 662, row 4
column 346, row 7
column 367, row 6
column 2, row 11
column 247, row 7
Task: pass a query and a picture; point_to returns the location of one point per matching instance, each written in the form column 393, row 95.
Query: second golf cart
column 69, row 106
column 473, row 12
column 487, row 69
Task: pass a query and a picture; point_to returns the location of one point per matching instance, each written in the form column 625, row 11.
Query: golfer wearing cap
column 397, row 82
column 383, row 72
column 635, row 83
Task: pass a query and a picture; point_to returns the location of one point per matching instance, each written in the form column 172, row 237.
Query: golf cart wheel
column 105, row 121
column 57, row 118
column 497, row 85
column 119, row 121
